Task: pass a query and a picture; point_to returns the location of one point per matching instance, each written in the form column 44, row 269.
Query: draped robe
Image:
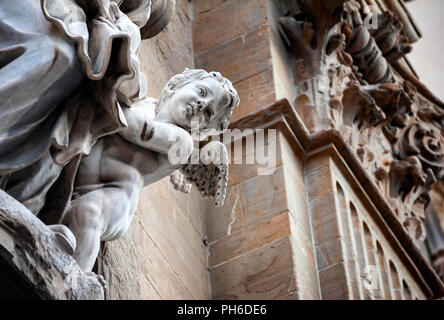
column 67, row 67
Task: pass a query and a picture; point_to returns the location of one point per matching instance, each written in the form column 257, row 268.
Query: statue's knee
column 86, row 214
column 115, row 230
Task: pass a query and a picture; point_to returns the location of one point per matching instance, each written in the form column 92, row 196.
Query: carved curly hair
column 231, row 100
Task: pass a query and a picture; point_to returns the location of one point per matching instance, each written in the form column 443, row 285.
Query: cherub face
column 198, row 103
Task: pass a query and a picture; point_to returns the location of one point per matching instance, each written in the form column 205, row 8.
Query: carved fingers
column 210, row 174
column 179, row 182
column 100, row 279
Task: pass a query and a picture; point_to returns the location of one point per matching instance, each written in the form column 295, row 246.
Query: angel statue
column 157, row 141
column 79, row 136
column 67, row 68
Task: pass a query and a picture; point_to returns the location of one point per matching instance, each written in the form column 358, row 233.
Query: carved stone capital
column 346, row 73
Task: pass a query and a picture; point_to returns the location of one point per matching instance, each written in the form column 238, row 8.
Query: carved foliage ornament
column 394, row 129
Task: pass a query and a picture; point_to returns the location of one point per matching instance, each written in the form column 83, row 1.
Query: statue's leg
column 121, row 204
column 86, row 221
column 100, row 215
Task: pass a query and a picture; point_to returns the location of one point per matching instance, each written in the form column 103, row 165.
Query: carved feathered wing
column 208, row 171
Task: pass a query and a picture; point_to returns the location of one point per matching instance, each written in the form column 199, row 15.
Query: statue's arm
column 164, row 168
column 153, row 135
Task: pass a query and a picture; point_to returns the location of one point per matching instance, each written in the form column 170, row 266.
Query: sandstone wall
column 260, row 241
column 281, row 236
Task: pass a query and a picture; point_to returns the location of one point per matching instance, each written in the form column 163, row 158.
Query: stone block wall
column 239, row 39
column 260, row 241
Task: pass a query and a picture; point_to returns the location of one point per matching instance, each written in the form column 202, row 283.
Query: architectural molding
column 345, row 79
column 281, row 115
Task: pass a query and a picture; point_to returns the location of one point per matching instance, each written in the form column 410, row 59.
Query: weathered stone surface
column 324, row 216
column 160, row 271
column 334, row 283
column 249, row 238
column 254, row 92
column 33, row 251
column 181, row 245
column 241, row 57
column 303, row 255
column 212, row 30
column 119, row 262
column 246, row 166
column 329, row 253
column 248, row 203
column 170, row 52
column 293, row 165
column 264, row 273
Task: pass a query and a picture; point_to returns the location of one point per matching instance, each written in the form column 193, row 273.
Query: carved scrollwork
column 406, row 175
column 411, row 125
column 344, row 66
column 408, row 197
column 430, row 113
column 424, row 142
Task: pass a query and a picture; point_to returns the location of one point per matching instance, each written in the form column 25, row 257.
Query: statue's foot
column 99, row 278
column 65, row 237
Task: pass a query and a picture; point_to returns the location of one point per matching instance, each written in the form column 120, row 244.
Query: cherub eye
column 208, row 113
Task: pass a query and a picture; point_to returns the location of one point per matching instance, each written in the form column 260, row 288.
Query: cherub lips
column 190, row 110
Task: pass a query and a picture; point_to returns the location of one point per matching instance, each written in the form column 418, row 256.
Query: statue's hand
column 209, row 172
column 179, row 182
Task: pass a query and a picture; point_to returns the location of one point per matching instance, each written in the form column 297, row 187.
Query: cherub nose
column 200, row 105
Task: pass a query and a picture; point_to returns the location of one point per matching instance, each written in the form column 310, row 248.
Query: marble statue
column 67, row 68
column 109, row 179
column 79, row 136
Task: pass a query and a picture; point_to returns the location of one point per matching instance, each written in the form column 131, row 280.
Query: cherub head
column 198, row 100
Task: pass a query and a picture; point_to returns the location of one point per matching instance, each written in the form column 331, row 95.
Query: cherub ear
column 171, row 89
